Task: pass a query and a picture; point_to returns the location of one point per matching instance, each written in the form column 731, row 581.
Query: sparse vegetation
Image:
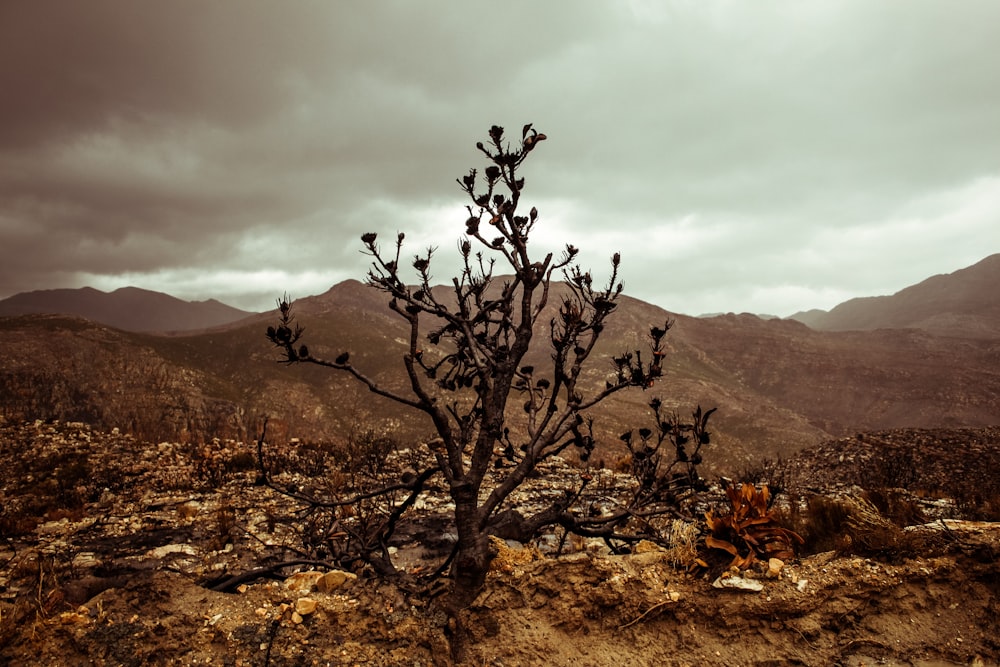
column 977, row 502
column 50, row 483
column 113, row 569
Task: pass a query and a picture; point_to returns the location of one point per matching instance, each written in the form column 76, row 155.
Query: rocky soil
column 110, row 549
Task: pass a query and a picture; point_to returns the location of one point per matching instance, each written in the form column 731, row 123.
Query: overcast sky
column 757, row 156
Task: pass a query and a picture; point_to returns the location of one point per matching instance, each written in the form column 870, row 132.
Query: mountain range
column 964, row 304
column 928, row 356
column 128, row 308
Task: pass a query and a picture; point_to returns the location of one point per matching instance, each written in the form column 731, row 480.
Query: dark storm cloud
column 754, row 157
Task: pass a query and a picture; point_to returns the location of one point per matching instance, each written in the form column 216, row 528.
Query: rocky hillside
column 779, row 385
column 963, row 304
column 857, row 380
column 128, row 308
column 75, row 370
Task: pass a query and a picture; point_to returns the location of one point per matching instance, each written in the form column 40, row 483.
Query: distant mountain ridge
column 127, row 308
column 779, row 385
column 965, row 303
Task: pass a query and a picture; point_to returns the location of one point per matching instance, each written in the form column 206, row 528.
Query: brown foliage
column 750, row 530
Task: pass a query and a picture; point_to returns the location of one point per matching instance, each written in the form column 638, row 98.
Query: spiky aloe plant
column 749, row 530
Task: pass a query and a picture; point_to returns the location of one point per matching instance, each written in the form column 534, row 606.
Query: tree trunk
column 473, row 556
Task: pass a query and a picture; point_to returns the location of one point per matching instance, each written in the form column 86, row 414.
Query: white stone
column 738, row 583
column 167, row 549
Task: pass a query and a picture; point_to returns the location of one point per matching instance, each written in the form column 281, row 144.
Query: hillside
column 128, row 308
column 964, row 304
column 857, row 380
column 779, row 385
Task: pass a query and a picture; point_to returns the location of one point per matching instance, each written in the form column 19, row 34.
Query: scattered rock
column 305, row 606
column 335, row 579
column 303, row 581
column 737, row 582
column 645, row 546
column 189, row 510
column 168, row 549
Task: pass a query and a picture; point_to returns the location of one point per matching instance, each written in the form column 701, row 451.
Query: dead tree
column 465, row 361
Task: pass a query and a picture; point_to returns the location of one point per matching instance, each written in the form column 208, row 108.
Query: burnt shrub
column 820, row 520
column 241, row 462
column 365, row 452
column 467, row 370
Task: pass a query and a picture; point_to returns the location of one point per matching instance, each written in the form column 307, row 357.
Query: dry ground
column 121, row 579
column 578, row 610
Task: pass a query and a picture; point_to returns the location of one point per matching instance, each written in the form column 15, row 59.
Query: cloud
column 741, row 157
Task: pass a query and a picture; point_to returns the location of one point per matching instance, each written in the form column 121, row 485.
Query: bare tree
column 465, row 362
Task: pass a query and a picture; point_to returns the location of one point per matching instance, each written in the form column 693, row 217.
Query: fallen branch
column 656, row 607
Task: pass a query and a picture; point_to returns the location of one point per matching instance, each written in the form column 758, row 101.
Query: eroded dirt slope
column 578, row 610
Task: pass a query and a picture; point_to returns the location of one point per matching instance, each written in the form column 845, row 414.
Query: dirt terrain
column 124, row 576
column 577, row 610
